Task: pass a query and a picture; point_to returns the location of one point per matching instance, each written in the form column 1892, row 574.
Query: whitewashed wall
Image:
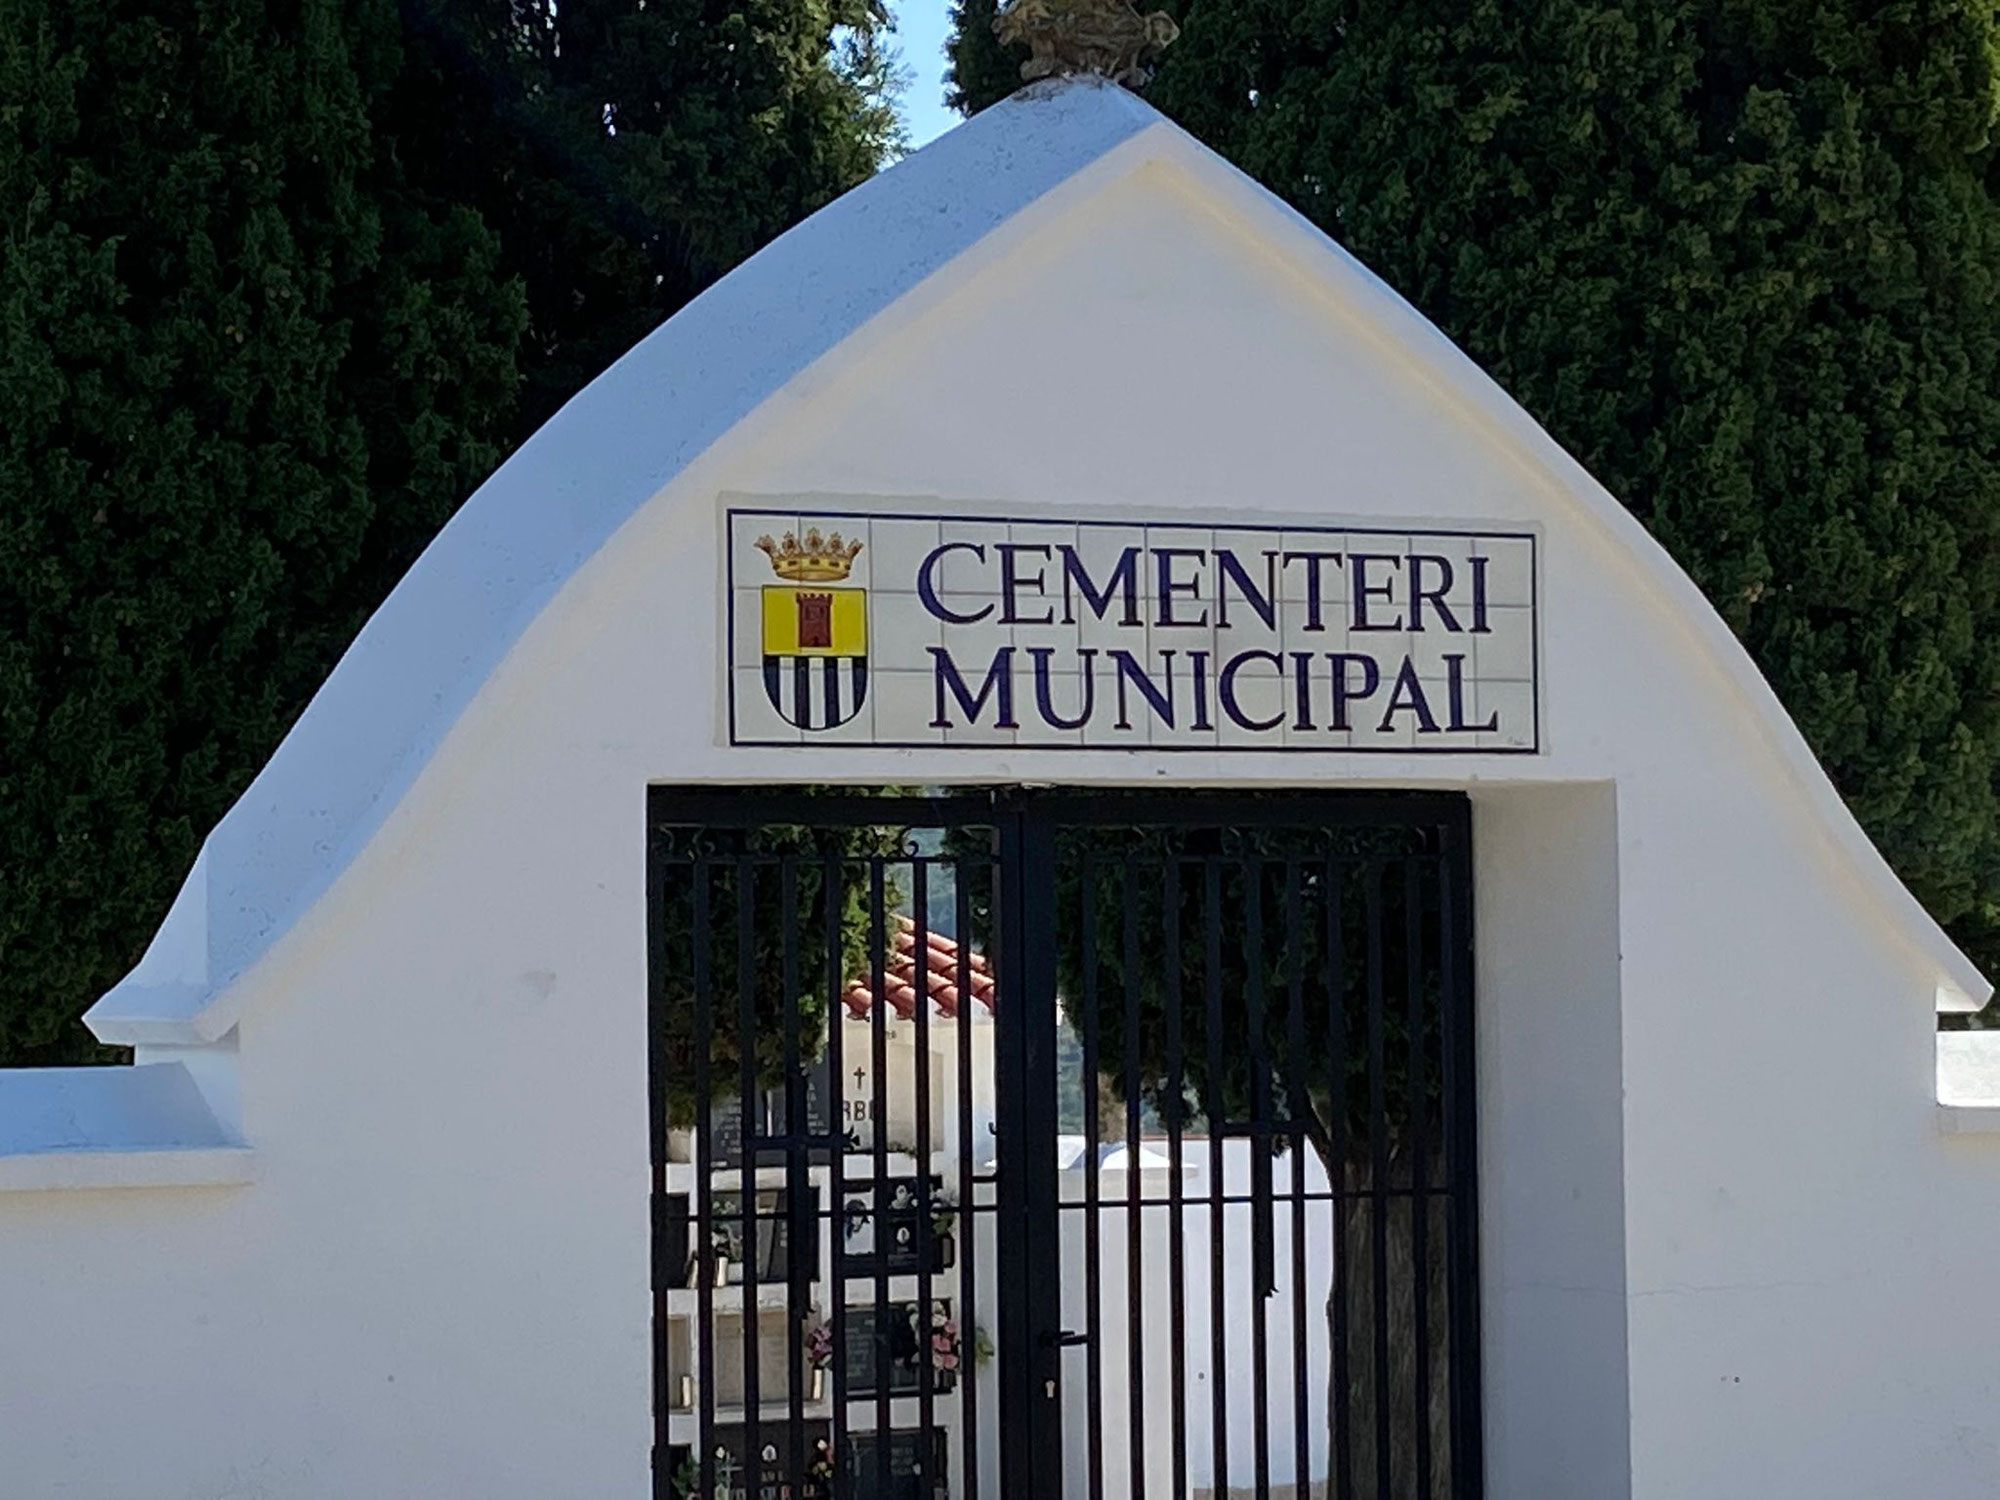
column 1728, row 1252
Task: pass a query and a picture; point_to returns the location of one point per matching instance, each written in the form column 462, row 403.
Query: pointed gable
column 988, row 203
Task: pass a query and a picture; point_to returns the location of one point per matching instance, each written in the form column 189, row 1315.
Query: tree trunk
column 1378, row 1411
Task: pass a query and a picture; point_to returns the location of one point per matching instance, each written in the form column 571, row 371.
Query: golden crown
column 817, row 559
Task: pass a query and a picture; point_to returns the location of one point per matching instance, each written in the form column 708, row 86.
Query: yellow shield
column 814, row 620
column 815, row 653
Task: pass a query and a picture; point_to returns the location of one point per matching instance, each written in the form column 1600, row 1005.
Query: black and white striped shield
column 816, row 692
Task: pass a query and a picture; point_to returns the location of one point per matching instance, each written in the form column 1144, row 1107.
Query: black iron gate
column 1059, row 1145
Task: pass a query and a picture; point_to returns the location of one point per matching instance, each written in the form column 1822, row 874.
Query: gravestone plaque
column 889, row 1346
column 889, row 1240
column 774, row 1237
column 765, row 1475
column 904, row 1479
column 771, row 1128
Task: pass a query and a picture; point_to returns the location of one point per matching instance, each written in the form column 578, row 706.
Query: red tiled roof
column 941, row 970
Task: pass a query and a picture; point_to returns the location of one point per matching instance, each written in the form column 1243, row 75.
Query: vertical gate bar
column 1378, row 1157
column 1455, row 974
column 1262, row 1252
column 878, row 1041
column 1092, row 1247
column 1420, row 1208
column 704, row 1184
column 920, row 972
column 746, row 1047
column 968, row 1226
column 1176, row 1093
column 1217, row 1111
column 1299, row 1109
column 833, row 901
column 833, row 897
column 1135, row 1343
column 1341, row 1413
column 656, row 1127
column 797, row 1129
column 1030, row 1262
column 1036, row 916
column 1013, row 1120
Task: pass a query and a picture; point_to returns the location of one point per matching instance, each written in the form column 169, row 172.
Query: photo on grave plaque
column 891, row 1242
column 886, row 1346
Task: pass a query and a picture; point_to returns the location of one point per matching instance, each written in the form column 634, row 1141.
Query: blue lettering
column 927, row 584
column 1364, row 590
column 1169, row 586
column 1129, row 671
column 1313, row 562
column 1454, row 681
column 1407, row 696
column 1418, row 593
column 999, row 686
column 1044, row 699
column 1264, row 602
column 1011, row 583
column 1225, row 688
column 1124, row 577
column 1345, row 691
column 1302, row 681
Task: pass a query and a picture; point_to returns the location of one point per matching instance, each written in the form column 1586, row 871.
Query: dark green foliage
column 1743, row 260
column 981, row 71
column 245, row 370
column 1248, row 951
column 280, row 281
column 628, row 152
column 756, row 914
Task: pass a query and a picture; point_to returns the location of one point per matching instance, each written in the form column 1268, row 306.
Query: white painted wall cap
column 1968, row 1081
column 143, row 1126
column 421, row 659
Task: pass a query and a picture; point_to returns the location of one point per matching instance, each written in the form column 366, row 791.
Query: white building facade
column 371, row 1215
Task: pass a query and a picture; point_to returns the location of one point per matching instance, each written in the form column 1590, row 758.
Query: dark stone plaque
column 774, row 1233
column 676, row 1247
column 904, row 1479
column 737, row 1477
column 887, row 1344
column 891, row 1241
column 770, row 1125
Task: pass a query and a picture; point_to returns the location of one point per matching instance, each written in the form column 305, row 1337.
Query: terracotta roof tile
column 941, row 975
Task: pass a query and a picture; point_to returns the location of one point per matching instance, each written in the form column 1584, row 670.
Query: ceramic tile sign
column 846, row 627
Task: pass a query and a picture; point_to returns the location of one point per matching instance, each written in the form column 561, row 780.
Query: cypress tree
column 1742, row 260
column 285, row 279
column 246, row 369
column 979, row 71
column 629, row 152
